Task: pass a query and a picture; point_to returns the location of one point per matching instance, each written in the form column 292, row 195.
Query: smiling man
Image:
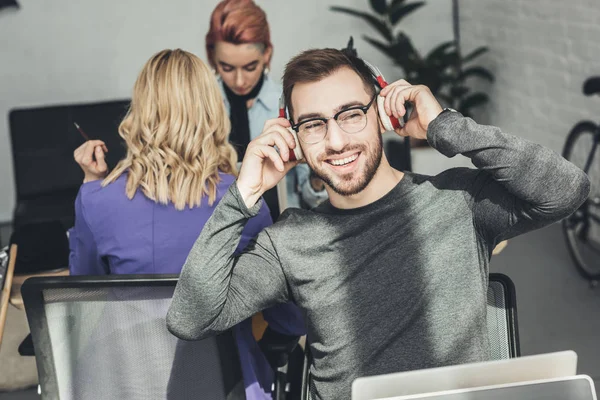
column 392, row 272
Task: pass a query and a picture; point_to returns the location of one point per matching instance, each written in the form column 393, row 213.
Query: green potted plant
column 444, row 70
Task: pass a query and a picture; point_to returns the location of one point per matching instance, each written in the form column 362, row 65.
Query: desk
column 15, row 291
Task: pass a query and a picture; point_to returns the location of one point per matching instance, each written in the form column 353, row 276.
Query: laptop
column 579, row 387
column 521, row 369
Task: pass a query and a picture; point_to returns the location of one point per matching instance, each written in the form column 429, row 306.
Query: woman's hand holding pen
column 90, row 157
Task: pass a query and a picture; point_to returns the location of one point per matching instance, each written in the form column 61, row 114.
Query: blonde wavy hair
column 176, row 132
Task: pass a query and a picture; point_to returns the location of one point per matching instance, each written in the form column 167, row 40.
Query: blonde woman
column 144, row 217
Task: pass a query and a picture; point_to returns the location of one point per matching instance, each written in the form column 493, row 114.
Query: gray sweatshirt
column 397, row 285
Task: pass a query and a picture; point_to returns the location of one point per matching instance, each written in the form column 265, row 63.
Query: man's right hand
column 263, row 167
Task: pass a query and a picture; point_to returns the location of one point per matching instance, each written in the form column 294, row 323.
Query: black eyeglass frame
column 364, row 109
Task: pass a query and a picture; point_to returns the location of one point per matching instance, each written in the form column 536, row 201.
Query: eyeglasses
column 350, row 120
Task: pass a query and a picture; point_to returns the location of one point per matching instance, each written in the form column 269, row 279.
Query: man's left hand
column 426, row 107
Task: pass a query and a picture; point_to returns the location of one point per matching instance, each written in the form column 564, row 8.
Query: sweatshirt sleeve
column 218, row 287
column 520, row 186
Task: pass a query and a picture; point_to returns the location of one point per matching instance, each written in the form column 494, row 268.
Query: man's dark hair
column 317, row 64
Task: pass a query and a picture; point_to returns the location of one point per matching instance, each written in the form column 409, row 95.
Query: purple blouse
column 115, row 235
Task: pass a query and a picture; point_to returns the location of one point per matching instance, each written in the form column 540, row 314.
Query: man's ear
column 379, row 123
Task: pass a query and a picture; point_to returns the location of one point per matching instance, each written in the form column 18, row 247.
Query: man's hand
column 263, row 167
column 90, row 157
column 426, row 107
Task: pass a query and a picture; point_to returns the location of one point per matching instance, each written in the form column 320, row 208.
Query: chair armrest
column 26, row 346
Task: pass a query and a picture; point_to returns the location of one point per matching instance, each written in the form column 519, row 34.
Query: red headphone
column 296, row 154
column 390, row 123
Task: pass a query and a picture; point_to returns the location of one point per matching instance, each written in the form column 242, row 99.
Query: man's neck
column 386, row 178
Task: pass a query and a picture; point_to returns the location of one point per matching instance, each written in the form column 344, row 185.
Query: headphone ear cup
column 389, row 123
column 396, row 123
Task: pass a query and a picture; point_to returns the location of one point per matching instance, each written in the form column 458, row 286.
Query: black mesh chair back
column 501, row 322
column 106, row 338
column 502, row 318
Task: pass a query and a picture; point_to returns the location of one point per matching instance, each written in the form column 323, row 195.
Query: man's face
column 345, row 161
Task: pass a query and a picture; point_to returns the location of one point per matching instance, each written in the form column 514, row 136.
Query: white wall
column 541, row 51
column 65, row 51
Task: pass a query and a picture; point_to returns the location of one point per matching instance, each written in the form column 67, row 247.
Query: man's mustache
column 330, row 153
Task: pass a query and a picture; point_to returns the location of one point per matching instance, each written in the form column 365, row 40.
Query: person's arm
column 254, row 226
column 522, row 185
column 217, row 288
column 83, row 251
column 282, row 318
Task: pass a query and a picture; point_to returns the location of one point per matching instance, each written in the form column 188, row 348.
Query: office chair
column 501, row 324
column 503, row 331
column 43, row 140
column 106, row 338
column 43, row 250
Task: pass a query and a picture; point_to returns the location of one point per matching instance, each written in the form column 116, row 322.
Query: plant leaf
column 400, row 11
column 383, row 47
column 446, row 64
column 441, row 50
column 444, row 58
column 380, row 6
column 474, row 100
column 446, row 99
column 458, row 91
column 474, row 54
column 479, row 72
column 405, row 54
column 372, row 20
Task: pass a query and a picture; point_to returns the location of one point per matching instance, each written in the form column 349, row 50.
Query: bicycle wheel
column 582, row 229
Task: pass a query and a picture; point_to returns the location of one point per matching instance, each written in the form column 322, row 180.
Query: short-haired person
column 144, row 217
column 239, row 48
column 392, row 271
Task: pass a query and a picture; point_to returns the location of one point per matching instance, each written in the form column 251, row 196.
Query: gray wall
column 541, row 51
column 65, row 51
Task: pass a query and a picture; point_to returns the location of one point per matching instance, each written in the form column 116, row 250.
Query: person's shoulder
column 271, row 92
column 96, row 191
column 96, row 200
column 96, row 197
column 225, row 180
column 292, row 221
column 272, row 85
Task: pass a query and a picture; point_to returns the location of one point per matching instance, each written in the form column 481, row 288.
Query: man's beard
column 356, row 184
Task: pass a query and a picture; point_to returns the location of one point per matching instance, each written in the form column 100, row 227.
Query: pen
column 85, row 136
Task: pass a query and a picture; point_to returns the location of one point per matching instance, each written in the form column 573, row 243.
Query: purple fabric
column 115, row 235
